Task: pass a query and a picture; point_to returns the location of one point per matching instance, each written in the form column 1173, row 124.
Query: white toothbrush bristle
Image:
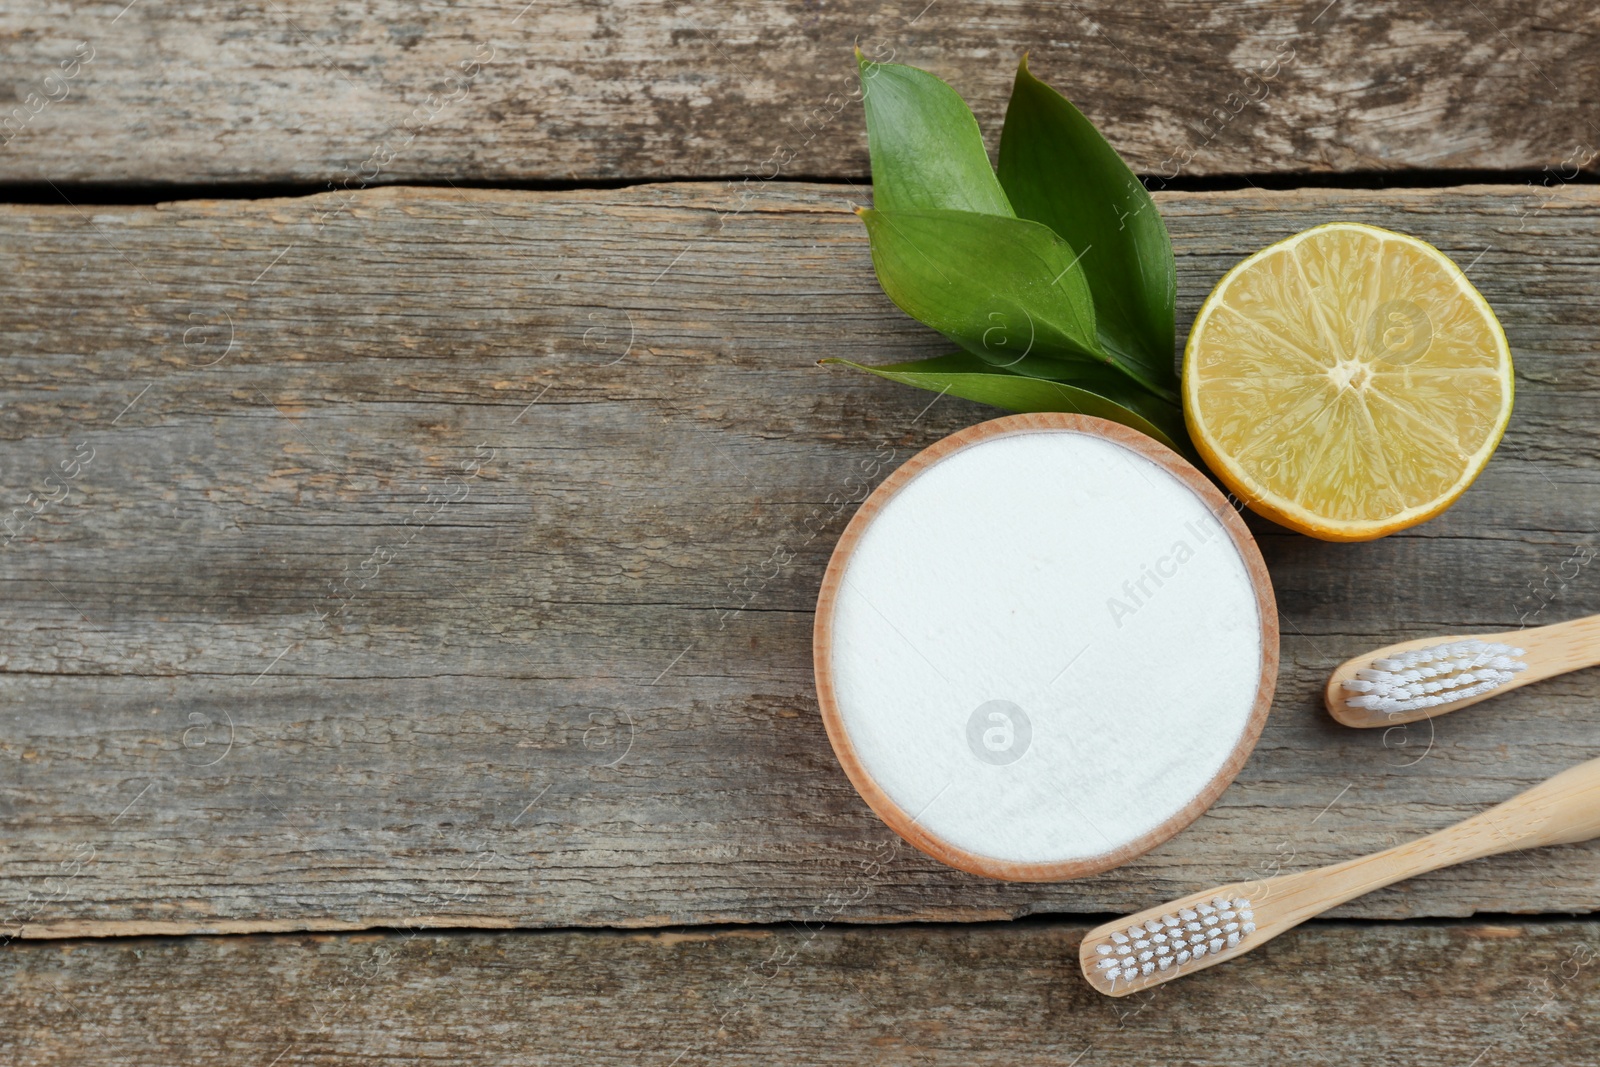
column 1434, row 676
column 1173, row 939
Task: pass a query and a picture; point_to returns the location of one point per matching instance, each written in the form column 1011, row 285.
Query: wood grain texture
column 265, row 666
column 1424, row 994
column 386, row 91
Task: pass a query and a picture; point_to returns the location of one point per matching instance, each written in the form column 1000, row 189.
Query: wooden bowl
column 1028, row 842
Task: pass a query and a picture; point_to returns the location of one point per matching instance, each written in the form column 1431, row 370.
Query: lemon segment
column 1347, row 382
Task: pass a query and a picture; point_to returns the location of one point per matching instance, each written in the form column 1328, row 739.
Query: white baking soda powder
column 1045, row 646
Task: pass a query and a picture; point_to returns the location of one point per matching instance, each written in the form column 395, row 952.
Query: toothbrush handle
column 1561, row 810
column 1557, row 648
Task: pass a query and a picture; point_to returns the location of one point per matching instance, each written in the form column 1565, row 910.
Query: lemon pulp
column 1347, row 382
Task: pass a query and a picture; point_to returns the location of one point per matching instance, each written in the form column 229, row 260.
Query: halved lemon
column 1347, row 382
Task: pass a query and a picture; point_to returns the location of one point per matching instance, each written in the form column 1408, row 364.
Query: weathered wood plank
column 266, row 666
column 1422, row 994
column 388, row 92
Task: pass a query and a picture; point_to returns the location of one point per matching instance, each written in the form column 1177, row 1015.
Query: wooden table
column 408, row 655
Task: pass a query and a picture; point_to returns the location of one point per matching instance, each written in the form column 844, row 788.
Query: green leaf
column 1006, row 289
column 1059, row 171
column 1000, row 287
column 965, row 375
column 925, row 145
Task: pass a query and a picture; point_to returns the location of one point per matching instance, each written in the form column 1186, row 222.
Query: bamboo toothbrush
column 1196, row 931
column 1432, row 676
